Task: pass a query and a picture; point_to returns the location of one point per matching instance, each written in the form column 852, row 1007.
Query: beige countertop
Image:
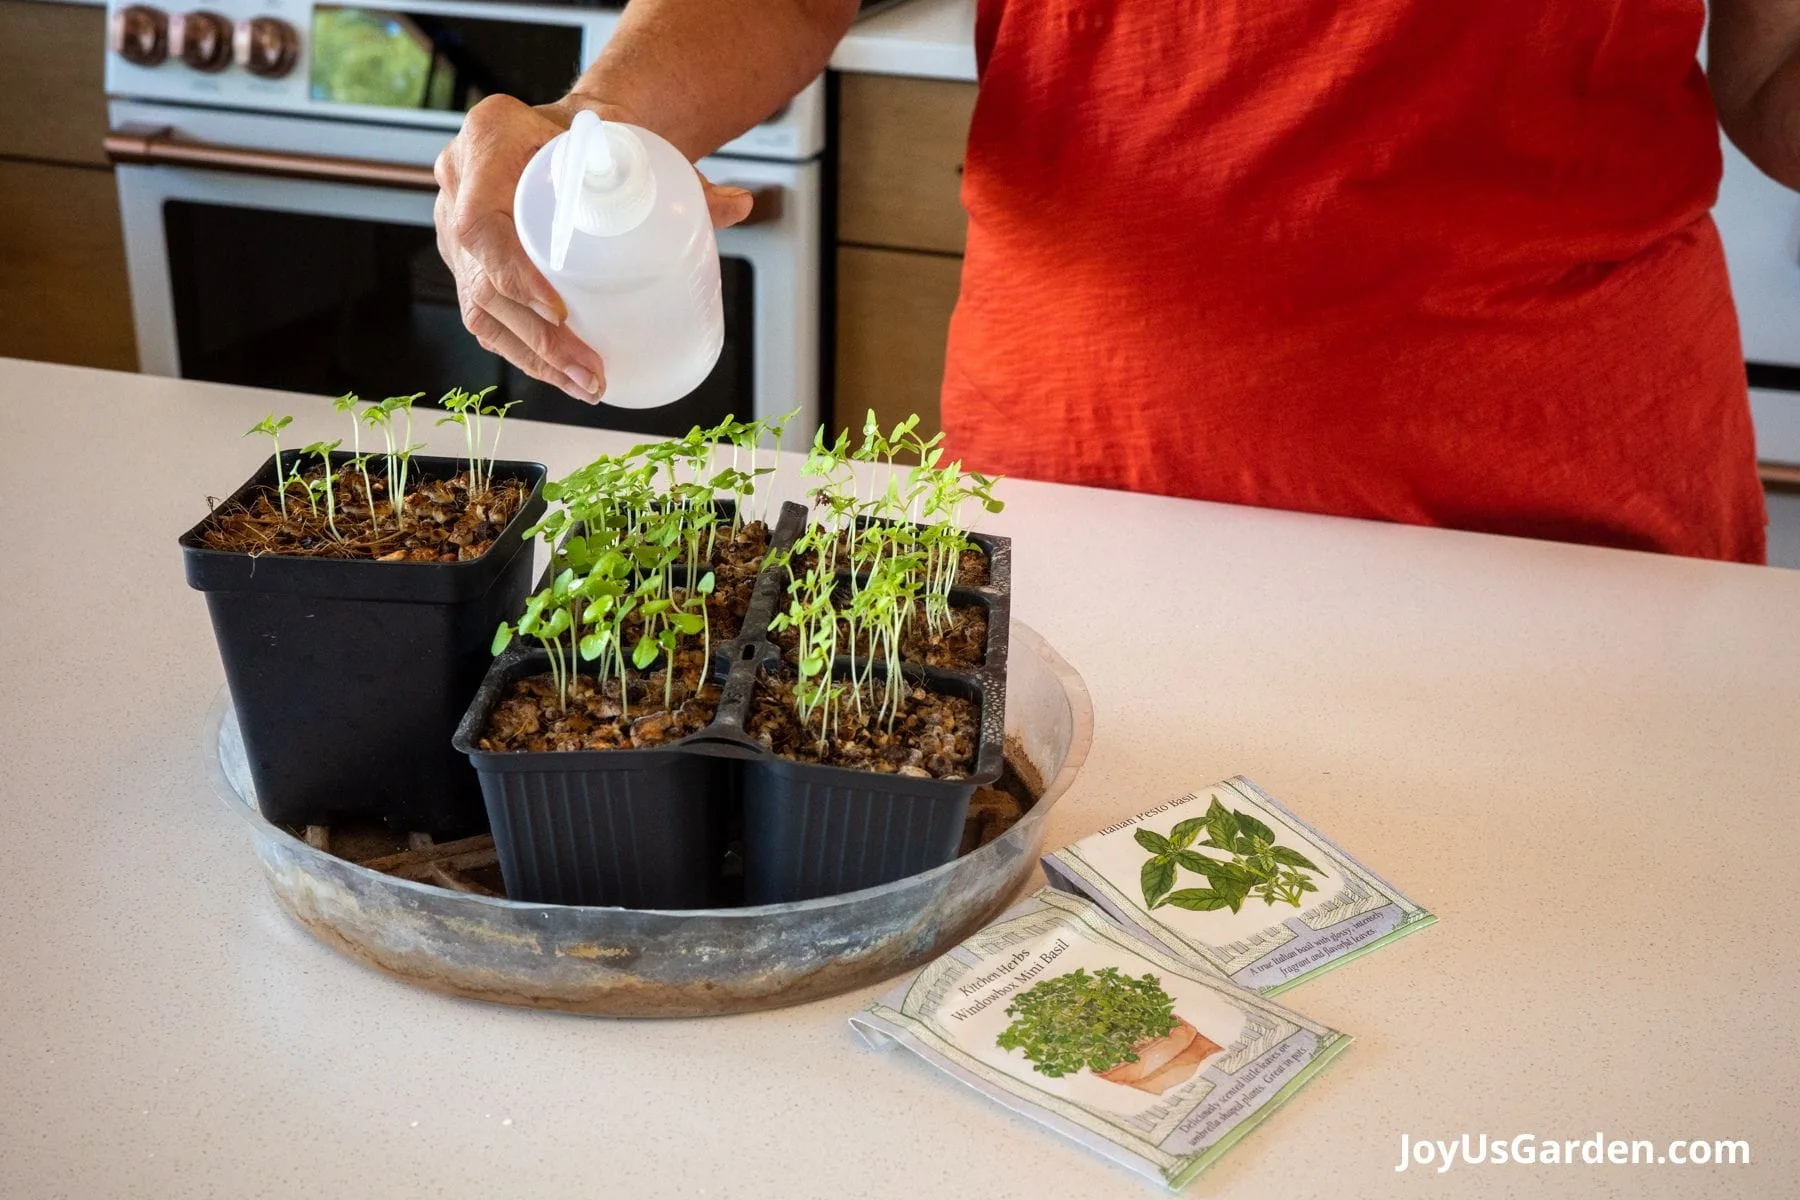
column 1584, row 761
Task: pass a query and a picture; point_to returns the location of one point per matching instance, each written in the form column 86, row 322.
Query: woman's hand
column 506, row 302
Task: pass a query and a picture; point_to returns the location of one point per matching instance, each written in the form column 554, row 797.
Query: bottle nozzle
column 602, row 183
column 586, row 139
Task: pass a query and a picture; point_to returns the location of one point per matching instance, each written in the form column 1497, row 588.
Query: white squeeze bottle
column 615, row 219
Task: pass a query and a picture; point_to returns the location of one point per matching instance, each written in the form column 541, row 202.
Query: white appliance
column 274, row 173
column 1759, row 222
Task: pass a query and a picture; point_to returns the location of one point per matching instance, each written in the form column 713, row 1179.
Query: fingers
column 541, row 349
column 554, row 345
column 487, row 236
column 496, row 338
column 726, row 204
column 506, row 302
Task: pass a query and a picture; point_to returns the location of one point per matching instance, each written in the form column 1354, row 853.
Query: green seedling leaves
column 643, row 654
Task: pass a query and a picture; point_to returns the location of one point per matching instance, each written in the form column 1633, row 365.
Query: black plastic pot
column 629, row 828
column 648, row 828
column 349, row 676
column 815, row 830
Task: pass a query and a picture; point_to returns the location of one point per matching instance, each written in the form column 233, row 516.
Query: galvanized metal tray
column 700, row 962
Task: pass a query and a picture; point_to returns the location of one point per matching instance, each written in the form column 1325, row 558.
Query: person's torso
column 1261, row 251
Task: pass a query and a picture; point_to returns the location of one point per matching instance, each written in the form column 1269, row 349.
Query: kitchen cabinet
column 900, row 232
column 63, row 292
column 893, row 308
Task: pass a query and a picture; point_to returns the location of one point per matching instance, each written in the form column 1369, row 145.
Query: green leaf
column 1185, row 832
column 1198, row 900
column 1292, row 858
column 1221, row 826
column 503, row 637
column 1155, row 843
column 643, row 654
column 1157, row 877
column 1221, row 873
column 1255, row 828
column 595, row 644
column 1193, row 860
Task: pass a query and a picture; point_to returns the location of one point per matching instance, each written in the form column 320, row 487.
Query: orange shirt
column 1418, row 260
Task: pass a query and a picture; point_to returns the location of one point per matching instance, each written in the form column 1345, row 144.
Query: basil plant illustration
column 1257, row 866
column 1079, row 1020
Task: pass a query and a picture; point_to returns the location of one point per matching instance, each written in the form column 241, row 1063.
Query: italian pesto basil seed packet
column 1228, row 877
column 1057, row 1013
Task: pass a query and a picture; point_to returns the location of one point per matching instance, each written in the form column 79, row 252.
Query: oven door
column 316, row 274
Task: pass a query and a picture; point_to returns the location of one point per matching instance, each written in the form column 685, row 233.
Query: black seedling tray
column 648, row 828
column 348, row 675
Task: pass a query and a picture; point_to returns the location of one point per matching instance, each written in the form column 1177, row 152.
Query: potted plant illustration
column 353, row 595
column 1119, row 1029
column 1253, row 866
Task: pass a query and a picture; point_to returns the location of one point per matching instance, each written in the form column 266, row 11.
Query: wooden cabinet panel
column 893, row 310
column 63, row 293
column 52, row 102
column 900, row 156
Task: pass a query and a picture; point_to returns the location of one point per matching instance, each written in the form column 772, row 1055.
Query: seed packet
column 1229, row 878
column 1057, row 1013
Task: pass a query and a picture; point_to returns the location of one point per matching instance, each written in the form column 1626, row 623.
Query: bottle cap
column 601, row 176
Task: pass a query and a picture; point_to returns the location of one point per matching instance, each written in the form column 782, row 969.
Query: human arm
column 697, row 72
column 1753, row 62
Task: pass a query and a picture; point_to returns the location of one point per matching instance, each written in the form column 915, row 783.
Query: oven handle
column 156, row 147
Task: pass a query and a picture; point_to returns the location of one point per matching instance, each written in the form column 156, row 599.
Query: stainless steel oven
column 274, row 173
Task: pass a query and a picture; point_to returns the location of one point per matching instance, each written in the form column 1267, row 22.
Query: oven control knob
column 265, row 46
column 140, row 34
column 202, row 40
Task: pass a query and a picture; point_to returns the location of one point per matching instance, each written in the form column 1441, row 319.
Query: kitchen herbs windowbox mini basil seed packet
column 1057, row 1013
column 1228, row 877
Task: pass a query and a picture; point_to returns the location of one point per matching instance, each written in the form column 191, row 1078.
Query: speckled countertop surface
column 1585, row 761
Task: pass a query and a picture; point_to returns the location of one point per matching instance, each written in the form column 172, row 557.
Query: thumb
column 727, row 204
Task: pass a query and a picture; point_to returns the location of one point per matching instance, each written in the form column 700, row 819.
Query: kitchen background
column 235, row 193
